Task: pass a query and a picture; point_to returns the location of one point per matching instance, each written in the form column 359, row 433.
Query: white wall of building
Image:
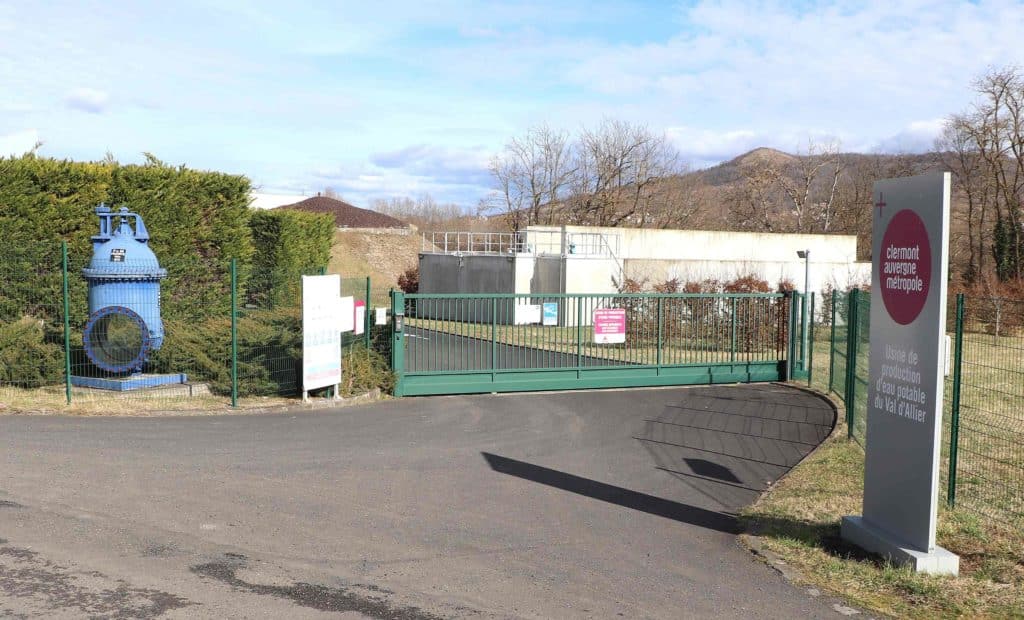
column 694, row 255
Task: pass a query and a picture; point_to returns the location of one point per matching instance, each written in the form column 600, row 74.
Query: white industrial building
column 587, row 259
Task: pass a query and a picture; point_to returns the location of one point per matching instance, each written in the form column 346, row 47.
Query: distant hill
column 346, row 215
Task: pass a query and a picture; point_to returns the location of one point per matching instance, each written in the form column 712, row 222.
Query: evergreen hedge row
column 198, row 221
column 288, row 244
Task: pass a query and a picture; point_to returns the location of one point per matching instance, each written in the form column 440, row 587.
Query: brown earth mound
column 346, row 215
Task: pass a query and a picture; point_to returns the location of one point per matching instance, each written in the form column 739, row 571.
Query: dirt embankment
column 382, row 256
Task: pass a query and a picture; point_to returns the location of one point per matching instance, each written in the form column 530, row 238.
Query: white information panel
column 380, row 316
column 360, row 325
column 526, row 314
column 321, row 336
column 347, row 320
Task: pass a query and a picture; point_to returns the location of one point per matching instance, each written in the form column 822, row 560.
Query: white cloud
column 917, row 137
column 708, row 145
column 87, row 100
column 862, row 69
column 18, row 143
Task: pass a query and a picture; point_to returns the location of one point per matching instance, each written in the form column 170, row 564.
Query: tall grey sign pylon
column 910, row 266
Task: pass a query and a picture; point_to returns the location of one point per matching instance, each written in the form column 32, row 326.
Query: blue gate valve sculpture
column 124, row 325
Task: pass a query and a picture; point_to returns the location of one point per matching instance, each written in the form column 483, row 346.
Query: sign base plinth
column 937, row 562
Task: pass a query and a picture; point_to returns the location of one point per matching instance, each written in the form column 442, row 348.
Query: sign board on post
column 380, row 316
column 347, row 314
column 610, row 325
column 906, row 364
column 360, row 317
column 321, row 333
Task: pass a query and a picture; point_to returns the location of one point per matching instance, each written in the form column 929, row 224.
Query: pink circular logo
column 905, row 267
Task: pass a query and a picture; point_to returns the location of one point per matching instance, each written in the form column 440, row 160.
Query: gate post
column 810, row 340
column 832, row 343
column 398, row 339
column 791, row 319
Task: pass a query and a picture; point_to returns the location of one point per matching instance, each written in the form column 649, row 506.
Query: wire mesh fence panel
column 990, row 454
column 859, row 389
column 130, row 346
column 838, row 344
column 848, row 351
column 32, row 361
column 127, row 351
column 821, row 344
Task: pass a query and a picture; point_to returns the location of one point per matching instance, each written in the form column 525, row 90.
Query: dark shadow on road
column 684, row 513
column 703, row 467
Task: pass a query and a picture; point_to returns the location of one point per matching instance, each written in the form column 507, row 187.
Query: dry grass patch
column 799, row 520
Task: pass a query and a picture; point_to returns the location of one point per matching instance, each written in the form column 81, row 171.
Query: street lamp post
column 804, row 340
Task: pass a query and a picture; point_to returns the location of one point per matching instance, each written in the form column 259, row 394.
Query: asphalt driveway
column 597, row 504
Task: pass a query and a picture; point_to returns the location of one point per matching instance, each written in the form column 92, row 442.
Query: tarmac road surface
column 600, row 504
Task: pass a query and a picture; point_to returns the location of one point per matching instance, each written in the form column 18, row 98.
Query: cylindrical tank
column 124, row 276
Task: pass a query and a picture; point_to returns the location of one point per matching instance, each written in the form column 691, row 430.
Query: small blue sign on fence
column 550, row 316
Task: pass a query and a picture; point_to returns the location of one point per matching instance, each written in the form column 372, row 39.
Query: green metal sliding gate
column 473, row 343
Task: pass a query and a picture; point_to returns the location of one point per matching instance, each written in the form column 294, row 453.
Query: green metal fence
column 252, row 350
column 986, row 408
column 983, row 419
column 459, row 343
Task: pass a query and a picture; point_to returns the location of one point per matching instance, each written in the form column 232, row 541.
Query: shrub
column 26, row 358
column 364, row 369
column 409, row 281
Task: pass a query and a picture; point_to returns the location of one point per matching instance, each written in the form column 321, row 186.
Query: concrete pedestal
column 132, row 382
column 939, row 561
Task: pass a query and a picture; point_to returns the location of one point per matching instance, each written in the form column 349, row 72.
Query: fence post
column 579, row 336
column 661, row 333
column 234, row 332
column 832, row 343
column 954, row 409
column 366, row 316
column 494, row 338
column 67, row 320
column 810, row 347
column 852, row 310
column 732, row 344
column 791, row 333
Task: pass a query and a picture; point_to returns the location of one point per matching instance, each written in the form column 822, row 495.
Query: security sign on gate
column 904, row 396
column 610, row 325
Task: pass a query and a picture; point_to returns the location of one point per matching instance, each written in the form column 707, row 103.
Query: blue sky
column 399, row 99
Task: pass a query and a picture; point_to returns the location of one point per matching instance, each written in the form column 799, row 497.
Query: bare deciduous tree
column 531, row 173
column 973, row 182
column 424, row 212
column 620, row 175
column 809, row 182
column 993, row 129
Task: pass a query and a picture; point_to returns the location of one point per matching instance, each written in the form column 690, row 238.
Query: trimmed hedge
column 26, row 358
column 288, row 244
column 198, row 221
